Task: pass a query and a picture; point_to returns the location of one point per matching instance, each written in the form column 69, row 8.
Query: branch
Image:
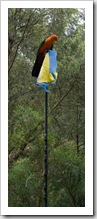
column 26, row 184
column 14, row 156
column 19, row 45
column 13, row 98
column 65, row 95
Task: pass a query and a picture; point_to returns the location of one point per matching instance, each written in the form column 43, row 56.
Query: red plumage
column 46, row 45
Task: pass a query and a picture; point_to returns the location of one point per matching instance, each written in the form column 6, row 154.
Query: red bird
column 46, row 45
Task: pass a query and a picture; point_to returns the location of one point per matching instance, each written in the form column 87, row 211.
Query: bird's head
column 54, row 37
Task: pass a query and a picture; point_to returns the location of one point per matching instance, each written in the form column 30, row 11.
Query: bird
column 46, row 44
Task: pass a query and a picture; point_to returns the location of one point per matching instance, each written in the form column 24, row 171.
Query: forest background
column 66, row 109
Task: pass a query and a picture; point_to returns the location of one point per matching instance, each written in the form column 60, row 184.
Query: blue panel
column 53, row 62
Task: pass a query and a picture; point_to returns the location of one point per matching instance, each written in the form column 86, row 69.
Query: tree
column 66, row 116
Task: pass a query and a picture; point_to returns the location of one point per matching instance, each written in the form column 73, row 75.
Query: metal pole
column 45, row 150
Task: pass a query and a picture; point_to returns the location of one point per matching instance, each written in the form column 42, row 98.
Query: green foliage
column 66, row 109
column 24, row 185
column 66, row 180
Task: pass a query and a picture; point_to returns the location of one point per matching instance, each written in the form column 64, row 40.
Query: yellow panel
column 45, row 75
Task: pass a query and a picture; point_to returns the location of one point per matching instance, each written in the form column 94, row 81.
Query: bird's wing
column 38, row 61
column 42, row 43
